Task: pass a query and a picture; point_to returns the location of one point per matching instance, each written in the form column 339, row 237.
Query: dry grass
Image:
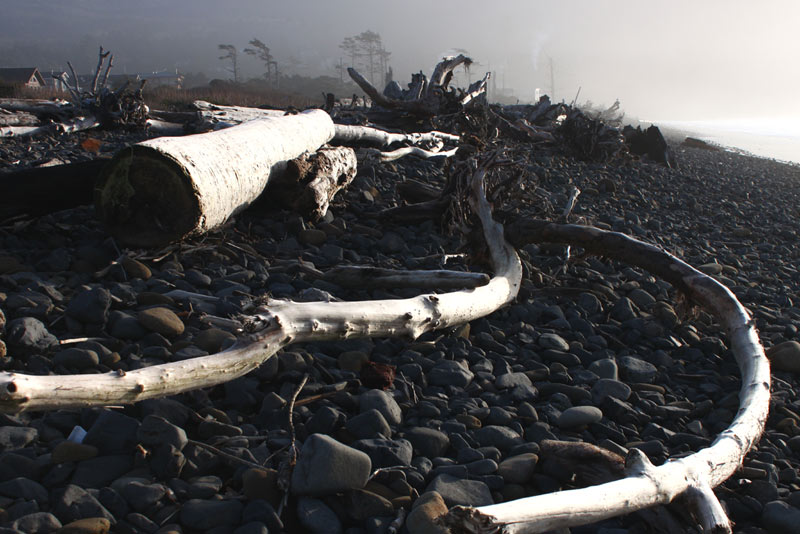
column 171, row 99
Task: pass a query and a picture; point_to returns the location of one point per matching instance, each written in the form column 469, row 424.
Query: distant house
column 55, row 80
column 21, row 77
column 164, row 78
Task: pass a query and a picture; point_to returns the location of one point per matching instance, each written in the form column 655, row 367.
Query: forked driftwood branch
column 277, row 325
column 645, row 485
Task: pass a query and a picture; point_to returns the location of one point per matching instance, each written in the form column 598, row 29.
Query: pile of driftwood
column 166, row 188
column 89, row 107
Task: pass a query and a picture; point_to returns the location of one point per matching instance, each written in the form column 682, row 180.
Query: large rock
column 326, row 466
column 785, row 356
column 316, row 517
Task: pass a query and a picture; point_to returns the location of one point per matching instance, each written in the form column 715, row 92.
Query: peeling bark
column 313, row 179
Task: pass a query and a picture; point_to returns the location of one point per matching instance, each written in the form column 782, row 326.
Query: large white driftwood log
column 164, row 189
column 645, row 485
column 216, row 117
column 278, row 324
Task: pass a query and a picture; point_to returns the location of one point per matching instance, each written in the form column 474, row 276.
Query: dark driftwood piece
column 47, row 189
column 313, row 179
column 372, row 277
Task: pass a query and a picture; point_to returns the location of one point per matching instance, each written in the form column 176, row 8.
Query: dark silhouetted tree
column 232, row 55
column 261, row 51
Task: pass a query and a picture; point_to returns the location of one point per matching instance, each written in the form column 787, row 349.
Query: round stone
column 579, row 416
column 161, row 320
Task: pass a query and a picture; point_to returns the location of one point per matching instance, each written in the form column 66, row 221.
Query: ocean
column 773, row 138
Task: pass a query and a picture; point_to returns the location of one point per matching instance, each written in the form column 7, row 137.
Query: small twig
column 287, row 466
column 225, row 455
column 74, row 77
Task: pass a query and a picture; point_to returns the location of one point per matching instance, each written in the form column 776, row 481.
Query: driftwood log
column 164, row 189
column 278, row 324
column 645, row 485
column 44, row 190
column 313, row 179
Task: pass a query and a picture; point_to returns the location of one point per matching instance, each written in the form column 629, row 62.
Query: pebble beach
column 597, row 352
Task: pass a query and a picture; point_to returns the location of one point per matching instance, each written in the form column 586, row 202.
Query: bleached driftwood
column 375, row 154
column 646, row 485
column 279, row 324
column 534, row 132
column 164, row 189
column 17, row 118
column 159, row 127
column 346, row 134
column 313, row 179
column 76, row 124
column 36, row 106
column 216, row 117
column 476, row 89
column 372, row 277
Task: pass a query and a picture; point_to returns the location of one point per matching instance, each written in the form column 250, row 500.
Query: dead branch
column 645, row 485
column 278, row 324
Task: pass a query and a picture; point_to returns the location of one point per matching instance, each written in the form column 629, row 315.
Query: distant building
column 55, row 80
column 164, row 78
column 21, row 77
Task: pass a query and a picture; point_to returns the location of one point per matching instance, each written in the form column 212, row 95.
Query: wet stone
column 579, row 416
column 449, row 373
column 637, row 370
column 27, row 334
column 69, row 451
column 161, row 320
column 606, row 387
column 386, row 452
column 428, row 442
column 326, row 466
column 497, row 436
column 90, row 306
column 74, row 358
column 317, row 517
column 383, row 402
column 368, row 425
column 207, row 514
column 90, row 525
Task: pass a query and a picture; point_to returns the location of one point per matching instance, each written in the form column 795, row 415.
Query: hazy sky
column 683, row 59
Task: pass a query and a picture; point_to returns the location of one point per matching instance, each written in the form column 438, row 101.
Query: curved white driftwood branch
column 281, row 323
column 646, row 485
